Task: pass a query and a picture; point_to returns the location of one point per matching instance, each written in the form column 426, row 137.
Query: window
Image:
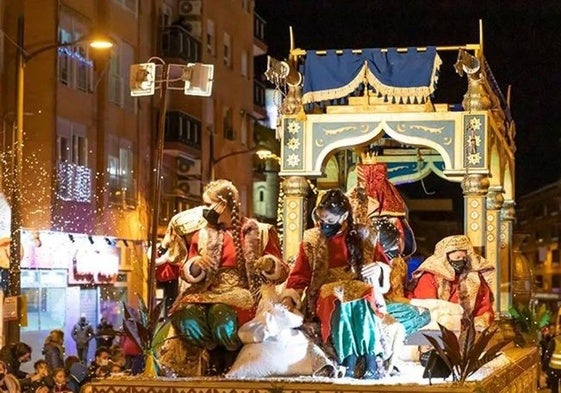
column 210, row 37
column 120, row 171
column 244, row 63
column 119, row 68
column 227, row 50
column 165, row 15
column 129, row 5
column 227, row 123
column 74, row 178
column 75, row 68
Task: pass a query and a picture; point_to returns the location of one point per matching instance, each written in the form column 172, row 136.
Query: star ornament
column 475, row 123
column 293, row 144
column 293, row 127
column 474, row 159
column 293, row 160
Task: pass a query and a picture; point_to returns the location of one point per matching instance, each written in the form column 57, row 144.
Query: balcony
column 177, row 43
column 259, row 110
column 259, row 45
column 170, row 205
column 182, row 134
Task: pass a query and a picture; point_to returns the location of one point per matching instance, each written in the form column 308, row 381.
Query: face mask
column 458, row 265
column 104, row 362
column 211, row 216
column 329, row 230
column 2, row 375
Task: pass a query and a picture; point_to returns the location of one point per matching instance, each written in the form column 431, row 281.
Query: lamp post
column 22, row 58
column 261, row 151
column 194, row 79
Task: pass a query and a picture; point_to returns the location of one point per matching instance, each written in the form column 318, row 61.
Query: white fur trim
column 279, row 268
column 186, row 271
column 164, row 258
column 294, row 295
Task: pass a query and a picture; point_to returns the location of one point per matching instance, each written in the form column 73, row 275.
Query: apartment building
column 539, row 218
column 89, row 152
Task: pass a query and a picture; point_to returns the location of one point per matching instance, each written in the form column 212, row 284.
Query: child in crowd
column 41, row 380
column 60, row 379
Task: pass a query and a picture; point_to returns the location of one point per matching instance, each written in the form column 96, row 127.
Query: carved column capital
column 495, row 199
column 508, row 212
column 475, row 184
column 295, row 186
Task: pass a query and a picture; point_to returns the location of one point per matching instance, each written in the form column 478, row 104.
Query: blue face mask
column 329, row 230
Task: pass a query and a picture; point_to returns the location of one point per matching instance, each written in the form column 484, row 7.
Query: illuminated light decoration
column 75, row 55
column 74, row 182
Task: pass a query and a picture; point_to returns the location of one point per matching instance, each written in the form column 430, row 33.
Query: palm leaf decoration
column 466, row 355
column 145, row 329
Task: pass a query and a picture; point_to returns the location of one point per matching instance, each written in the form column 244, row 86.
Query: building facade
column 89, row 147
column 539, row 220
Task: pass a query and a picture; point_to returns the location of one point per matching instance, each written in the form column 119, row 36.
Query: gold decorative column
column 475, row 188
column 506, row 253
column 494, row 203
column 295, row 212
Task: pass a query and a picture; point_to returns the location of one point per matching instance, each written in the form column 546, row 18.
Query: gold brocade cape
column 238, row 287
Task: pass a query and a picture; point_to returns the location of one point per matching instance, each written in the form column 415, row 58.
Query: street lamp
column 194, row 79
column 22, row 58
column 262, row 151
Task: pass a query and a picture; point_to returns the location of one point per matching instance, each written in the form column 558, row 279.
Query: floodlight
column 198, row 79
column 142, row 79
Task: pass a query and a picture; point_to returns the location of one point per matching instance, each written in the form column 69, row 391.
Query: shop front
column 64, row 276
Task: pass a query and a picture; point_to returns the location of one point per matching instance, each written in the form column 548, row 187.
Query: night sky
column 522, row 44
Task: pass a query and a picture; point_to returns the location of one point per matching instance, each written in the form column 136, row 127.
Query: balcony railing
column 177, row 42
column 184, row 129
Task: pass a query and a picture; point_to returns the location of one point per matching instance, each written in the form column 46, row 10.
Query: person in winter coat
column 8, row 383
column 53, row 349
column 13, row 355
column 83, row 333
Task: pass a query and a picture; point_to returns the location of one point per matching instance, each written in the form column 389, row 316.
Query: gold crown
column 368, row 158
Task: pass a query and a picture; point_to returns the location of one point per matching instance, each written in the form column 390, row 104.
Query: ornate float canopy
column 381, row 101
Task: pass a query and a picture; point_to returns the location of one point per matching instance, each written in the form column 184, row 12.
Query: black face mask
column 211, row 216
column 329, row 230
column 458, row 265
column 2, row 375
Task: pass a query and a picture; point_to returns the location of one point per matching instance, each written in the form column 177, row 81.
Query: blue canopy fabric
column 403, row 77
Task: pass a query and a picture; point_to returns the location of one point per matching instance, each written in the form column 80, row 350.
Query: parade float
column 379, row 102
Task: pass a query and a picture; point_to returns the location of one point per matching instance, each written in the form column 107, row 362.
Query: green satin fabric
column 208, row 326
column 354, row 330
column 411, row 317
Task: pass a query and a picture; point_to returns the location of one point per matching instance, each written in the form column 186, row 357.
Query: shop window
column 45, row 291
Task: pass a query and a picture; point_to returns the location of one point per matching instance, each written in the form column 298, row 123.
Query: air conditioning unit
column 188, row 168
column 188, row 187
column 190, row 7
